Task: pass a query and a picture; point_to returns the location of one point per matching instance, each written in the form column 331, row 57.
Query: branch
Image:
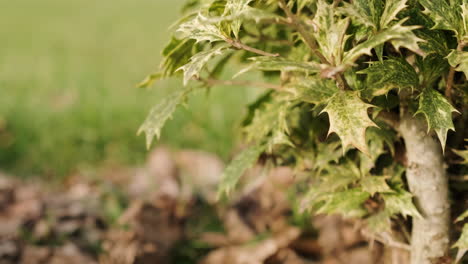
column 387, row 239
column 212, row 82
column 239, row 45
column 389, row 118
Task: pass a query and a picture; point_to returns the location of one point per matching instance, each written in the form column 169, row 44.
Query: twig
column 458, row 177
column 294, row 21
column 302, row 31
column 212, row 82
column 239, row 45
column 451, row 75
column 387, row 239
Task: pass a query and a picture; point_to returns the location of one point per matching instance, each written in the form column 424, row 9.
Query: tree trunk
column 428, row 182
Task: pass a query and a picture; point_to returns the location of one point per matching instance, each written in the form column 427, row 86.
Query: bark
column 428, row 182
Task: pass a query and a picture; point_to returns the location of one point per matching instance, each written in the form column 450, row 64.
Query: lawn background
column 68, row 100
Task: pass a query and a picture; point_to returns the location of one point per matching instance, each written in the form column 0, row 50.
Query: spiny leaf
column 379, row 222
column 375, row 184
column 234, row 8
column 462, row 216
column 398, row 35
column 392, row 8
column 376, row 139
column 349, row 203
column 265, row 63
column 464, row 8
column 201, row 28
column 237, row 167
column 312, row 90
column 176, row 53
column 269, row 124
column 431, row 68
column 438, row 113
column 349, row 119
column 199, row 60
column 400, row 202
column 445, row 15
column 159, row 114
column 459, row 59
column 462, row 243
column 330, row 34
column 364, row 12
column 463, row 154
column 435, row 40
column 387, row 75
column 339, row 176
column 150, row 79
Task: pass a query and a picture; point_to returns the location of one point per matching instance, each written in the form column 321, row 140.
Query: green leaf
column 435, row 40
column 150, row 79
column 463, row 154
column 176, row 54
column 349, row 119
column 235, row 8
column 432, row 67
column 199, row 60
column 201, row 28
column 269, row 124
column 459, row 60
column 159, row 114
column 265, row 63
column 312, row 90
column 400, row 202
column 339, row 176
column 236, row 169
column 462, row 243
column 462, row 216
column 349, row 203
column 445, row 15
column 438, row 113
column 364, row 12
column 398, row 35
column 387, row 75
column 376, row 139
column 331, row 32
column 375, row 184
column 392, row 8
column 379, row 222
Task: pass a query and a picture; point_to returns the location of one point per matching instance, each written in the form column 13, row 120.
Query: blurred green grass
column 67, row 76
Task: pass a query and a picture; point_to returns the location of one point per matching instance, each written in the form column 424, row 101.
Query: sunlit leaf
column 445, row 14
column 237, row 167
column 438, row 113
column 198, row 61
column 374, row 184
column 265, row 63
column 462, row 243
column 387, row 75
column 349, row 119
column 330, row 33
column 201, row 28
column 392, row 8
column 312, row 90
column 159, row 114
column 459, row 60
column 398, row 35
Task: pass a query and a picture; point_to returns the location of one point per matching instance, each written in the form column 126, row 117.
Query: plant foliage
column 350, row 66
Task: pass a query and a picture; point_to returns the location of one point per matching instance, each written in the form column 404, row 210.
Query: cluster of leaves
column 358, row 63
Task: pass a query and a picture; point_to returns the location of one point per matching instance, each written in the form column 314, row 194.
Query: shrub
column 382, row 76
